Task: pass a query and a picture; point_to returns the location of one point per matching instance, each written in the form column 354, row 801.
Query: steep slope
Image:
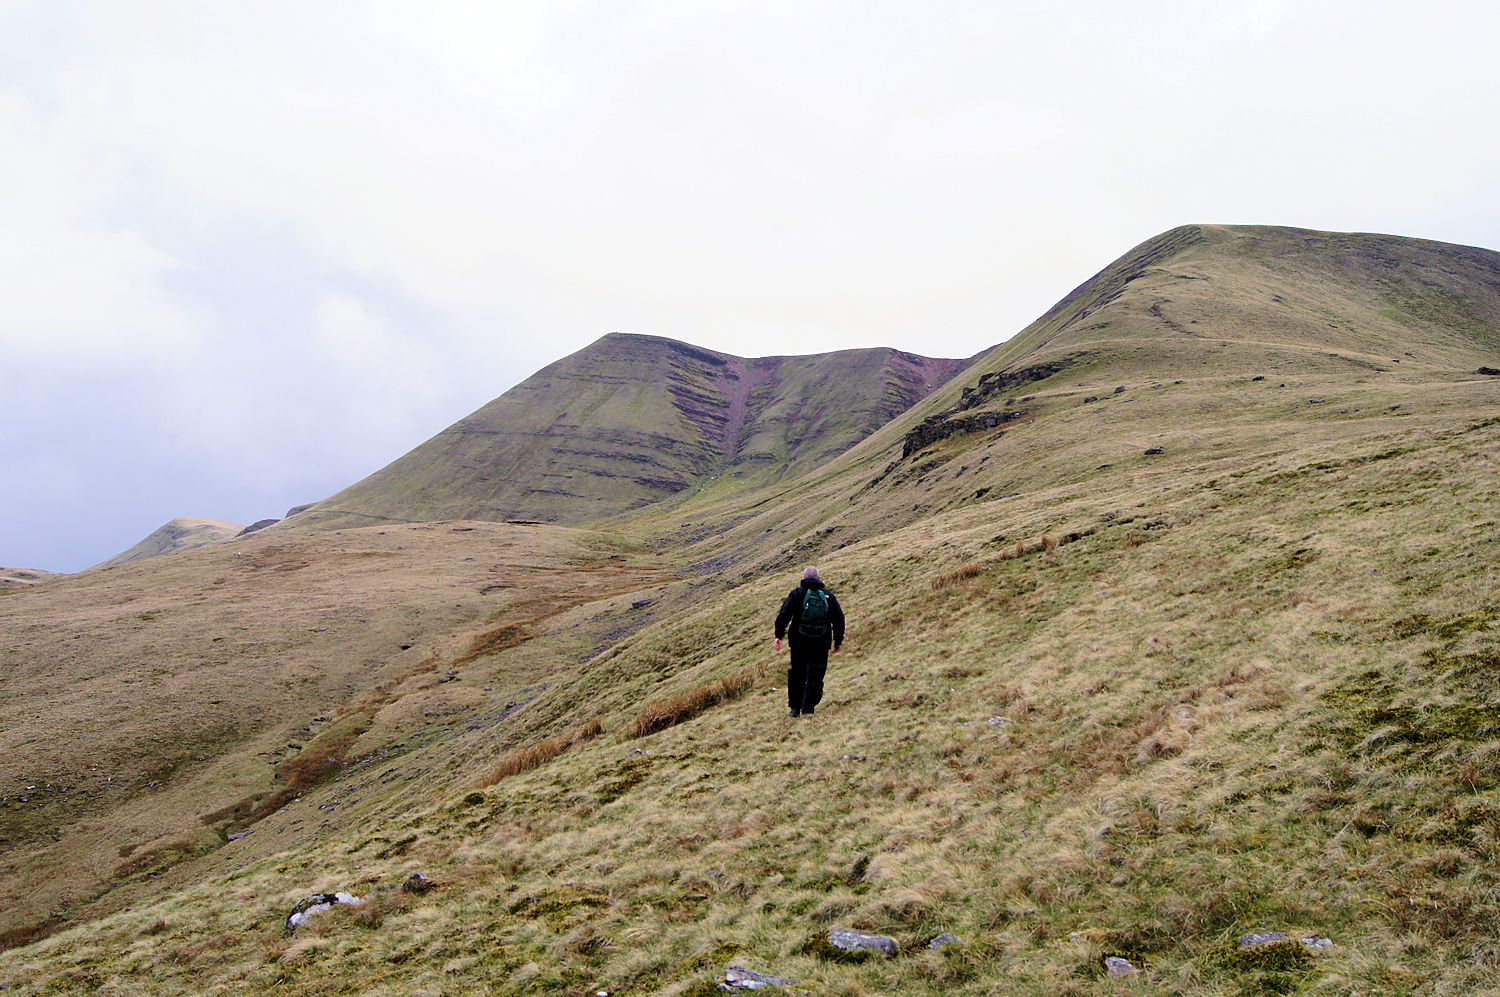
column 633, row 420
column 182, row 533
column 1205, row 341
column 1095, row 702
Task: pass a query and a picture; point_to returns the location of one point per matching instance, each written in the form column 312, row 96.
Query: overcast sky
column 251, row 252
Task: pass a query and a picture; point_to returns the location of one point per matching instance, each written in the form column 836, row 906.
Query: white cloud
column 287, row 231
column 78, row 287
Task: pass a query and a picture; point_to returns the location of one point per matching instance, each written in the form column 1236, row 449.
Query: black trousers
column 804, row 680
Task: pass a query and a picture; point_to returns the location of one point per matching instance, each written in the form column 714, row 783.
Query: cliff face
column 634, row 420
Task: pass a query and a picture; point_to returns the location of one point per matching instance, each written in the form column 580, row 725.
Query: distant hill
column 1205, row 340
column 23, row 576
column 181, row 533
column 1274, row 294
column 632, row 420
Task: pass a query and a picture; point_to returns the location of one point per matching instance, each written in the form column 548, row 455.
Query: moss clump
column 702, row 988
column 561, row 908
column 1277, row 968
column 630, row 775
column 1137, row 941
column 1425, row 624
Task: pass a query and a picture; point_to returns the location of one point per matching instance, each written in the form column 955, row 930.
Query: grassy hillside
column 182, row 533
column 149, row 710
column 1095, row 702
column 635, row 420
column 10, row 577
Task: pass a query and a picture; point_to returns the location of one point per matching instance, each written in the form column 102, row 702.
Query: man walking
column 813, row 620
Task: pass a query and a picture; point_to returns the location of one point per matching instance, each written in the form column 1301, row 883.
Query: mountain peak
column 174, row 535
column 632, row 420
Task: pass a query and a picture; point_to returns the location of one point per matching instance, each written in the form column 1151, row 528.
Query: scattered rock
column 1119, row 389
column 944, row 940
column 1154, row 451
column 315, row 904
column 1488, row 370
column 1260, row 939
column 417, row 883
column 740, row 978
column 1117, row 966
column 1316, row 401
column 641, row 603
column 854, row 941
column 1256, row 939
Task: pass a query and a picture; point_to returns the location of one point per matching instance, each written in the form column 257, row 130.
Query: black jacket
column 791, row 613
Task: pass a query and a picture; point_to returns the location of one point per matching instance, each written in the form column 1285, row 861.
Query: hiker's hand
column 836, row 648
column 778, row 643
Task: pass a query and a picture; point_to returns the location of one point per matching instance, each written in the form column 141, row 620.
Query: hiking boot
column 807, row 712
column 796, row 713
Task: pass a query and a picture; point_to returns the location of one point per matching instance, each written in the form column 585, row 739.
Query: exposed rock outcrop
column 989, row 387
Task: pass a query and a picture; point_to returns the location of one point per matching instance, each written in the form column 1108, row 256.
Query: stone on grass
column 1258, row 939
column 1117, row 966
column 417, row 883
column 740, row 978
column 854, row 941
column 315, row 904
column 944, row 940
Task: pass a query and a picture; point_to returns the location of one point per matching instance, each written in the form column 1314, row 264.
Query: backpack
column 814, row 619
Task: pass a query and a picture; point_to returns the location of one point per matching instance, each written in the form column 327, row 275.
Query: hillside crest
column 634, row 420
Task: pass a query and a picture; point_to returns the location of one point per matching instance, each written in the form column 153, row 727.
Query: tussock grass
column 949, row 579
column 686, row 705
column 537, row 755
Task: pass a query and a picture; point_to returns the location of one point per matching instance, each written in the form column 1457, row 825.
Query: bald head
column 810, row 572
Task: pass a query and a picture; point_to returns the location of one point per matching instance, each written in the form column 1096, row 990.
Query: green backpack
column 814, row 619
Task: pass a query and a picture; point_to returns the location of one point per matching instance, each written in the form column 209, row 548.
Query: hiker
column 813, row 620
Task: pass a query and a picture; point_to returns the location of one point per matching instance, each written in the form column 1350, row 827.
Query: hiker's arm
column 784, row 617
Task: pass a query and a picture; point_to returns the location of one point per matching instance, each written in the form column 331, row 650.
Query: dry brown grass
column 313, row 766
column 949, row 579
column 687, row 705
column 498, row 639
column 526, row 759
